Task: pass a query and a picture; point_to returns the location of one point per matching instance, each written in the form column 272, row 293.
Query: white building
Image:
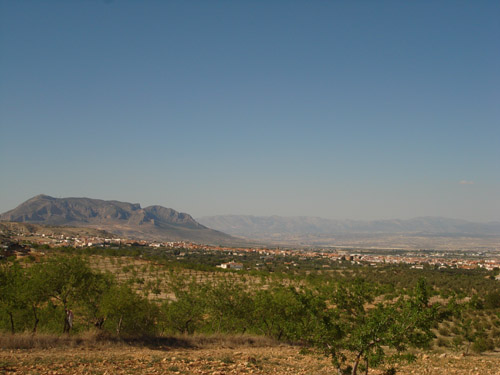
column 231, row 266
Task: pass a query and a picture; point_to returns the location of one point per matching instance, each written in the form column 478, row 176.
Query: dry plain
column 198, row 355
column 226, row 359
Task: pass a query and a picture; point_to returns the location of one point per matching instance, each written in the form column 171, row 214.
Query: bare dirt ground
column 279, row 360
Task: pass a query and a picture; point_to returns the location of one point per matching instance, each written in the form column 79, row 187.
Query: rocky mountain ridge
column 122, row 218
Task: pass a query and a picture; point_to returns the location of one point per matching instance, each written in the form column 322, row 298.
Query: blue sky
column 338, row 109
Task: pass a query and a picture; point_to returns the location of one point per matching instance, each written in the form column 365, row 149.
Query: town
column 21, row 243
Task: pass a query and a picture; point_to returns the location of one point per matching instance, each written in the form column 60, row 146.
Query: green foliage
column 127, row 313
column 12, row 291
column 92, row 300
column 66, row 278
column 356, row 315
column 185, row 314
column 482, row 344
column 41, row 294
column 365, row 332
column 476, row 302
column 492, row 300
column 286, row 313
column 229, row 306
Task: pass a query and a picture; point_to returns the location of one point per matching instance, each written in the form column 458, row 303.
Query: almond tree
column 35, row 292
column 128, row 312
column 186, row 313
column 358, row 334
column 11, row 290
column 67, row 280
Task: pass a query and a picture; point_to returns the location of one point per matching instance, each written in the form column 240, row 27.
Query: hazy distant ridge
column 248, row 226
column 122, row 218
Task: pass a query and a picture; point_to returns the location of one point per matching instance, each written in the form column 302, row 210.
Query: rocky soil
column 278, row 360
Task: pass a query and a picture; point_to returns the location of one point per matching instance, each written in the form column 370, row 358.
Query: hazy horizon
column 274, row 215
column 339, row 110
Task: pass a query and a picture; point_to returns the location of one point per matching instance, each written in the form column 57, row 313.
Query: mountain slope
column 122, row 218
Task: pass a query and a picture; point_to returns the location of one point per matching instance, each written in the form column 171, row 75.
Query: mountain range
column 260, row 227
column 124, row 219
column 129, row 220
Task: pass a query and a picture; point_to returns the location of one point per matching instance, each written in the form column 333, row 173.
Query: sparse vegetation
column 352, row 314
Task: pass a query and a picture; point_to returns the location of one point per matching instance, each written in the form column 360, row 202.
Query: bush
column 442, row 342
column 492, row 300
column 390, row 371
column 457, row 342
column 444, row 331
column 482, row 344
column 128, row 313
column 455, row 330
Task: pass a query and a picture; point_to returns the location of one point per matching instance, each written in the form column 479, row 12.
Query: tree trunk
column 12, row 329
column 467, row 348
column 366, row 364
column 356, row 363
column 119, row 326
column 219, row 324
column 35, row 326
column 186, row 326
column 65, row 326
column 99, row 322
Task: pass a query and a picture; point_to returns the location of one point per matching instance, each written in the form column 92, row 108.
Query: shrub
column 482, row 344
column 492, row 300
column 455, row 330
column 444, row 331
column 442, row 342
column 126, row 312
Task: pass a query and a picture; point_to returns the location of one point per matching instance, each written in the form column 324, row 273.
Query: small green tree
column 12, row 283
column 357, row 333
column 285, row 312
column 275, row 311
column 93, row 298
column 186, row 313
column 229, row 306
column 127, row 312
column 492, row 300
column 67, row 279
column 36, row 292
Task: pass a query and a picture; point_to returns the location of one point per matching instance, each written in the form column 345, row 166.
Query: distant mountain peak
column 41, row 196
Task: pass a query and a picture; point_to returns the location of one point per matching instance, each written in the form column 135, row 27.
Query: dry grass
column 98, row 339
column 49, row 341
column 228, row 341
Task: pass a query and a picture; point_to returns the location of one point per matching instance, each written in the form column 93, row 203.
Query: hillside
column 121, row 218
column 9, row 229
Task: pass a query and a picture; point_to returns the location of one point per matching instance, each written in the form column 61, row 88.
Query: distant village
column 19, row 244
